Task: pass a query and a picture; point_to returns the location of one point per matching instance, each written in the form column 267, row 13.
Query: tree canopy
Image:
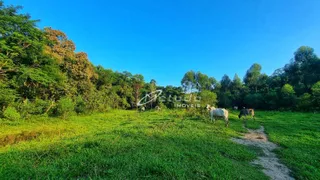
column 41, row 72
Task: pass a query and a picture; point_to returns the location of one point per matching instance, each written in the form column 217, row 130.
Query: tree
column 225, row 99
column 188, row 81
column 236, row 89
column 153, row 88
column 106, row 77
column 7, row 96
column 262, row 83
column 251, row 78
column 254, row 100
column 203, row 82
column 304, row 70
column 65, row 107
column 208, row 97
column 20, row 41
column 288, row 96
column 305, row 102
column 169, row 95
column 271, row 100
column 316, row 94
column 225, row 83
column 138, row 82
column 236, row 83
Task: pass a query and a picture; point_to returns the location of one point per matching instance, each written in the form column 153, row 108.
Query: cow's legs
column 227, row 121
column 212, row 119
column 245, row 120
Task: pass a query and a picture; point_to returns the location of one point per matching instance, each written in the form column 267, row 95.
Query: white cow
column 158, row 108
column 142, row 109
column 218, row 112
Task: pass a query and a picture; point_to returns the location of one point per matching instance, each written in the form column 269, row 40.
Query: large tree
column 251, row 78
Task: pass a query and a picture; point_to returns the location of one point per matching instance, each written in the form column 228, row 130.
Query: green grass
column 298, row 134
column 153, row 145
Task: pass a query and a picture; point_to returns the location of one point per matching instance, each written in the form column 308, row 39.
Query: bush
column 37, row 107
column 7, row 96
column 305, row 102
column 254, row 101
column 11, row 113
column 316, row 95
column 65, row 107
column 25, row 108
column 208, row 97
column 271, row 100
column 288, row 97
column 40, row 106
column 197, row 113
column 80, row 106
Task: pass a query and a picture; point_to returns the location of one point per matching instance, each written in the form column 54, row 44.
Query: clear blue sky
column 164, row 39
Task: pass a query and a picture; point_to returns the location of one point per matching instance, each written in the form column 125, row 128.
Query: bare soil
column 272, row 167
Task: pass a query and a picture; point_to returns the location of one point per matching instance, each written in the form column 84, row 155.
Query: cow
column 218, row 112
column 235, row 108
column 142, row 109
column 158, row 108
column 246, row 112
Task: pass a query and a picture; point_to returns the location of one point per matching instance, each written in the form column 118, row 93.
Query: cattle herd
column 223, row 113
column 219, row 113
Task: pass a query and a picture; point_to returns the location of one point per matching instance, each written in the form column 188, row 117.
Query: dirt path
column 269, row 161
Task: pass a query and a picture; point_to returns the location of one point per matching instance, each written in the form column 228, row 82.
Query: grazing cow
column 235, row 108
column 158, row 108
column 142, row 109
column 218, row 112
column 246, row 112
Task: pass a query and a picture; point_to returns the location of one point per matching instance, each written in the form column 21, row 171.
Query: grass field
column 153, row 145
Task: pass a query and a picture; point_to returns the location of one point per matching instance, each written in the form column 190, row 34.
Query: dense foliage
column 293, row 87
column 41, row 73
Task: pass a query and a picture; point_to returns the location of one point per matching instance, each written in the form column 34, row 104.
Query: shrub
column 208, row 97
column 65, row 107
column 7, row 96
column 288, row 97
column 37, row 107
column 316, row 94
column 305, row 102
column 40, row 106
column 25, row 108
column 80, row 106
column 271, row 100
column 254, row 100
column 11, row 113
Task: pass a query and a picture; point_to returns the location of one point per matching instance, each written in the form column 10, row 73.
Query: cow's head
column 208, row 107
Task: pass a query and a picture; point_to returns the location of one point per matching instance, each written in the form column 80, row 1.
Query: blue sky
column 164, row 39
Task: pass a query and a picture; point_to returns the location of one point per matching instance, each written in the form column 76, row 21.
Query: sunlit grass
column 157, row 145
column 298, row 134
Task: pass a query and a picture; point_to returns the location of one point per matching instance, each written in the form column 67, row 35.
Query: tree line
column 42, row 74
column 296, row 86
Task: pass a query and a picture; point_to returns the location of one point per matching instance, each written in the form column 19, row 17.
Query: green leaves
column 7, row 96
column 287, row 90
column 316, row 94
column 208, row 97
column 35, row 76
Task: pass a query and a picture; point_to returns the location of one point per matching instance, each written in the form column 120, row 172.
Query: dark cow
column 246, row 112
